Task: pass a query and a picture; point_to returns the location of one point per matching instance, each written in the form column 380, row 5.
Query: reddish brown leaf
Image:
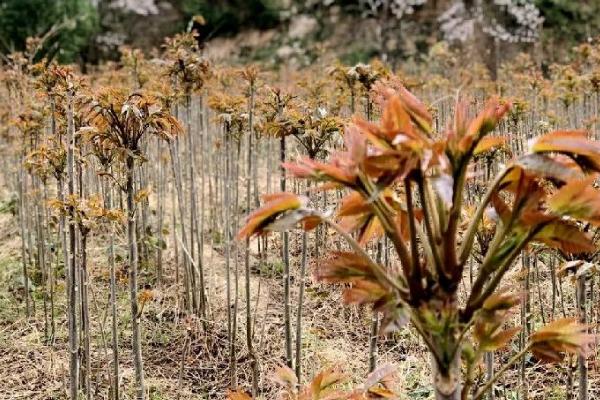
column 285, row 377
column 239, row 395
column 275, row 205
column 417, row 110
column 494, row 339
column 558, row 167
column 484, row 123
column 566, row 237
column 395, row 119
column 574, row 143
column 324, row 382
column 382, row 375
column 353, row 204
column 578, row 199
column 488, row 143
column 343, row 267
column 364, row 292
column 337, row 170
column 559, row 337
column 501, row 301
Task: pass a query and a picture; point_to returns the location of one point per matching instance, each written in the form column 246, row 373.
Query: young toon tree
column 89, row 216
column 122, row 121
column 105, row 153
column 189, row 71
column 326, row 385
column 407, row 182
column 583, row 268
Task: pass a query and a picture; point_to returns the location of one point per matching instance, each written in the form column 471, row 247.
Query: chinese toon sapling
column 121, row 121
column 407, row 182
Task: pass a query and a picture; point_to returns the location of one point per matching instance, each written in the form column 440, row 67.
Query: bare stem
column 488, row 385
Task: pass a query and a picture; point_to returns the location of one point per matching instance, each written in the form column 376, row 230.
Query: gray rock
column 301, row 26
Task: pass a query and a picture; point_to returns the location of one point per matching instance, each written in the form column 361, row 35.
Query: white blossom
column 456, row 24
column 520, row 20
column 398, row 8
column 140, row 7
column 111, row 39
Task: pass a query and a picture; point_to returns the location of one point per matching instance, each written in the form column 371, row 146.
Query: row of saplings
column 410, row 181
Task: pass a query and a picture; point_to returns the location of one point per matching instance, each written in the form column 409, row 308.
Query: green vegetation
column 67, row 26
column 574, row 21
column 231, row 16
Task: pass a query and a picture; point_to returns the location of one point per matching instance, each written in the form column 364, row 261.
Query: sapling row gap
column 192, row 230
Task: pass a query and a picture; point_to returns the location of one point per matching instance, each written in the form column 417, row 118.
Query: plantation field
column 185, row 223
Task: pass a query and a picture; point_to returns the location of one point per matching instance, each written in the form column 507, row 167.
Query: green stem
column 425, row 205
column 415, row 276
column 467, row 245
column 473, row 302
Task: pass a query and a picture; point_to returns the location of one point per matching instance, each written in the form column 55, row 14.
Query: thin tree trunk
column 374, row 324
column 525, row 321
column 85, row 315
column 41, row 258
column 286, row 273
column 251, row 168
column 72, row 281
column 160, row 215
column 581, row 362
column 227, row 244
column 200, row 225
column 236, row 272
column 300, row 305
column 489, row 372
column 447, row 386
column 22, row 224
column 179, row 189
column 133, row 276
column 113, row 298
column 204, row 171
column 193, row 220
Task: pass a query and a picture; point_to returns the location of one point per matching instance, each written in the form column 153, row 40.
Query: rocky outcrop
column 138, row 23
